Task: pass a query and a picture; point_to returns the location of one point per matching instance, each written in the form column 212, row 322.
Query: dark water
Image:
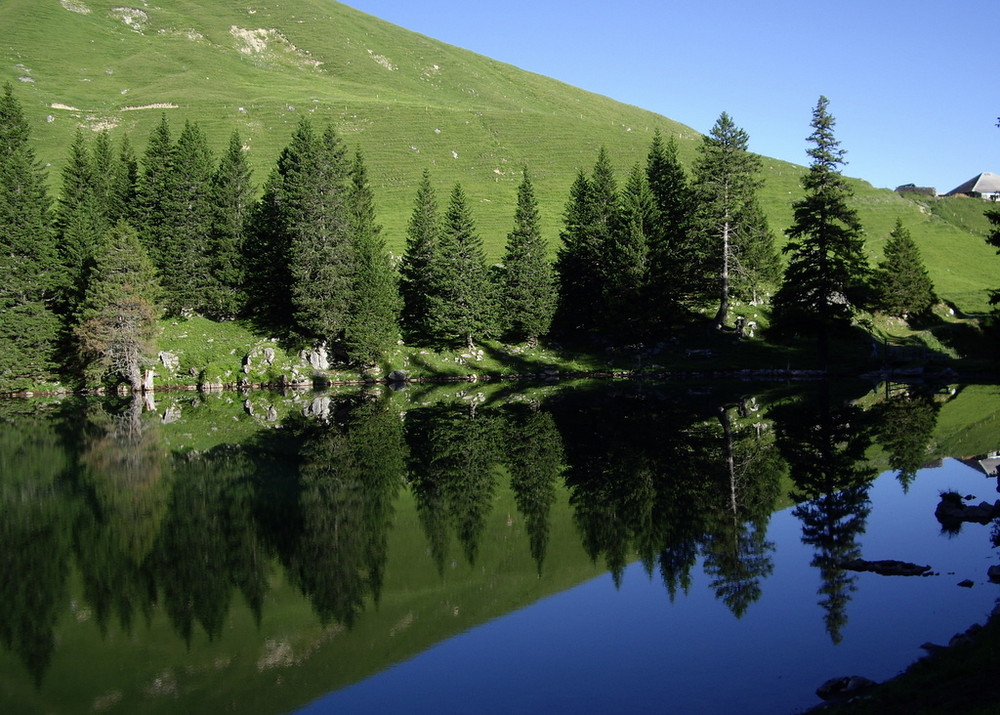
column 575, row 549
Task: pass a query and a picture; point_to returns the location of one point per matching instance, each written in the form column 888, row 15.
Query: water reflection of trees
column 665, row 479
column 904, row 426
column 824, row 442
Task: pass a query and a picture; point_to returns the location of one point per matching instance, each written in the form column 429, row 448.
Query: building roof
column 985, row 183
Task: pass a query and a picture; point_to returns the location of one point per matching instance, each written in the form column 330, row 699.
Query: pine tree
column 591, row 220
column 232, row 193
column 902, row 284
column 122, row 199
column 460, row 299
column 118, row 316
column 671, row 254
column 186, row 269
column 627, row 258
column 80, row 220
column 103, row 160
column 373, row 326
column 153, row 189
column 993, row 216
column 321, row 259
column 577, row 264
column 268, row 279
column 528, row 297
column 300, row 256
column 726, row 182
column 827, row 263
column 29, row 268
column 422, row 245
column 757, row 263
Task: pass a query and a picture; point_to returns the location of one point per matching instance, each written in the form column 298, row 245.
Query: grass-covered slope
column 409, row 102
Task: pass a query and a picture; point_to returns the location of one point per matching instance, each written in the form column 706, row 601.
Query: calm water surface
column 589, row 550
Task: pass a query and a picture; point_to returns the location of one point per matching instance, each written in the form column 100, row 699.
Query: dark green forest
column 180, row 231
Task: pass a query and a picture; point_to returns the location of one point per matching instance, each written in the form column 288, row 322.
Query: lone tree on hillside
column 528, row 297
column 118, row 315
column 828, row 263
column 901, row 282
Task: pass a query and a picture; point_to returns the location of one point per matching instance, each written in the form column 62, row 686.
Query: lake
column 585, row 547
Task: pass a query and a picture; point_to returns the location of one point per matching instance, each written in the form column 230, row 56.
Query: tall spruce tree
column 423, row 235
column 726, row 182
column 577, row 262
column 81, row 220
column 232, row 194
column 627, row 274
column 461, row 309
column 373, row 323
column 671, row 254
column 315, row 173
column 528, row 297
column 902, row 284
column 267, row 279
column 591, row 221
column 993, row 238
column 30, row 276
column 301, row 252
column 154, row 186
column 122, row 200
column 117, row 323
column 827, row 264
column 186, row 267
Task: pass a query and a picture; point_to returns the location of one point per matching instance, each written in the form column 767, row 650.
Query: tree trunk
column 723, row 312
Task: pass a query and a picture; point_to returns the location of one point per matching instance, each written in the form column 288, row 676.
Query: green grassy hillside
column 409, row 102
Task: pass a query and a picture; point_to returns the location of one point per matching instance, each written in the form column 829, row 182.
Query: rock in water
column 844, row 687
column 887, row 567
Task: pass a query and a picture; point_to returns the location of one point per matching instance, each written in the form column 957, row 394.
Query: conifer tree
column 901, row 282
column 757, row 263
column 122, row 199
column 186, row 269
column 30, row 278
column 671, row 255
column 373, row 325
column 591, row 219
column 80, row 220
column 232, row 193
column 528, row 297
column 103, row 160
column 314, row 174
column 577, row 262
column 268, row 279
column 300, row 252
column 726, row 182
column 460, row 300
column 827, row 264
column 993, row 238
column 118, row 316
column 627, row 259
column 422, row 246
column 153, row 189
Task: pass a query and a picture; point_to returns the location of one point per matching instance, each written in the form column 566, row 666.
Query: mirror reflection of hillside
column 371, row 508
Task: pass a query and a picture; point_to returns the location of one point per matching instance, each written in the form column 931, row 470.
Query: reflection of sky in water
column 594, row 649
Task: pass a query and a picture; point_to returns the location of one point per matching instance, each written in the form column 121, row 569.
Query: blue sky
column 913, row 85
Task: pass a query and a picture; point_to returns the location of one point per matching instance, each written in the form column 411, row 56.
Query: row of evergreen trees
column 82, row 282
